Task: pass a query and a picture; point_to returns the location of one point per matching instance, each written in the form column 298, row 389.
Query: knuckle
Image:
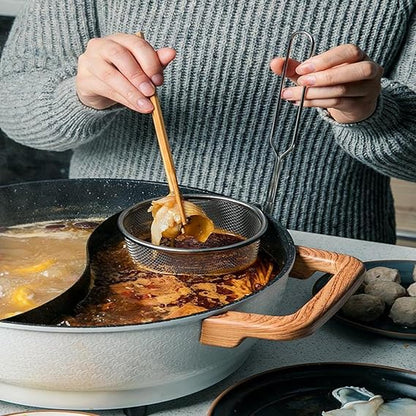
column 354, row 51
column 137, row 77
column 115, row 51
column 107, row 74
column 327, row 77
column 141, row 43
column 341, row 90
column 110, row 94
column 368, row 69
column 131, row 95
column 93, row 43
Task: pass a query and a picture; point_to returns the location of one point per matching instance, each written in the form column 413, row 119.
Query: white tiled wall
column 10, row 7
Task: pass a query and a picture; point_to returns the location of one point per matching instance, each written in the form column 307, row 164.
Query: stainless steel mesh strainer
column 228, row 215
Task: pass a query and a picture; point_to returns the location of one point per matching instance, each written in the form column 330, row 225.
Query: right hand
column 123, row 69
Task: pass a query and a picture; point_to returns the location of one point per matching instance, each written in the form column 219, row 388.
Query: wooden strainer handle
column 230, row 328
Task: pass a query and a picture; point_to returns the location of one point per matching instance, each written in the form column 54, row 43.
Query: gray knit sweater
column 218, row 101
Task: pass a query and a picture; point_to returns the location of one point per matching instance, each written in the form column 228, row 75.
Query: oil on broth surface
column 39, row 261
column 125, row 293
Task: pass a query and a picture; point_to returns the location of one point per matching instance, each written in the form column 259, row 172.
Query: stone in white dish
column 403, row 311
column 382, row 273
column 363, row 307
column 387, row 291
column 411, row 290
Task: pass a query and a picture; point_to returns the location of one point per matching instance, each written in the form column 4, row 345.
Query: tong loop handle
column 272, row 191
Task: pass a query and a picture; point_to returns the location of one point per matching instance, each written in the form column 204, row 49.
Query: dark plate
column 383, row 325
column 305, row 390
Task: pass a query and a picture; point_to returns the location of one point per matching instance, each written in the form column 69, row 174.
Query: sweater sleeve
column 387, row 140
column 38, row 102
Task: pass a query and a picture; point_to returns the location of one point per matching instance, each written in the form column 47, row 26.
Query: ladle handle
column 165, row 151
column 230, row 328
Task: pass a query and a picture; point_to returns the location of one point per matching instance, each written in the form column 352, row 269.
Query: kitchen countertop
column 332, row 342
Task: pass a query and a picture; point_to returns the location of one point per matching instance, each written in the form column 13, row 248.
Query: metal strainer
column 228, row 215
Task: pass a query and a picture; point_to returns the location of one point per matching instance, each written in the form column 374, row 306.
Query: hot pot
column 126, row 366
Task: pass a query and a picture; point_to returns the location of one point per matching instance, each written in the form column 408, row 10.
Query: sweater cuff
column 385, row 117
column 77, row 121
column 385, row 141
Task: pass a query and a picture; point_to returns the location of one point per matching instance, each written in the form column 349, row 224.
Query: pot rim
column 91, row 180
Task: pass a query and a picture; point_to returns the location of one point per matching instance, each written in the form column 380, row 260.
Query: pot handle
column 229, row 329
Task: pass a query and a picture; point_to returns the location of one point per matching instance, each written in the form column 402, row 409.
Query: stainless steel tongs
column 272, row 191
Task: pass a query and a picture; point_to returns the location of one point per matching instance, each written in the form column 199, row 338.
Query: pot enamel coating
column 113, row 367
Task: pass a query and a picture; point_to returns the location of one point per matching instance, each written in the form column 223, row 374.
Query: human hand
column 123, row 69
column 343, row 80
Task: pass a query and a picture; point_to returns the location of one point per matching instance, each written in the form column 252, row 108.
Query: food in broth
column 123, row 293
column 40, row 261
column 167, row 220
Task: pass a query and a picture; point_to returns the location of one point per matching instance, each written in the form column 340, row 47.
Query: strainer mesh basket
column 228, row 215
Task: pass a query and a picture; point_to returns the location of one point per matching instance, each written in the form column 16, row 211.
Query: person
column 75, row 76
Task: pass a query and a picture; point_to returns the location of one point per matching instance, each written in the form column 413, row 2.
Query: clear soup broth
column 40, row 261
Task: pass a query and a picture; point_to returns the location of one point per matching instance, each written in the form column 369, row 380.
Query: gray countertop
column 333, row 342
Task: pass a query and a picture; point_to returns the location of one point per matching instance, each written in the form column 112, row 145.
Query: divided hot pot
column 123, row 366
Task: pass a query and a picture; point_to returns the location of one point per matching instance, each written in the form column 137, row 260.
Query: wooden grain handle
column 230, row 328
column 165, row 151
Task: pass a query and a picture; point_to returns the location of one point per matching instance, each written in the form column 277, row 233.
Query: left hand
column 343, row 80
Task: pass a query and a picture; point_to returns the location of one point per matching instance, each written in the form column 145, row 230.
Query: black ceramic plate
column 305, row 390
column 383, row 325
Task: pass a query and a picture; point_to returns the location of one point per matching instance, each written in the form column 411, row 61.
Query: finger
column 121, row 58
column 344, row 110
column 353, row 89
column 144, row 54
column 277, row 64
column 364, row 70
column 117, row 51
column 102, row 96
column 116, row 82
column 166, row 56
column 333, row 57
column 340, row 103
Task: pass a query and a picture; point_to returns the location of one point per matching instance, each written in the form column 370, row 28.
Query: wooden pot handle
column 229, row 329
